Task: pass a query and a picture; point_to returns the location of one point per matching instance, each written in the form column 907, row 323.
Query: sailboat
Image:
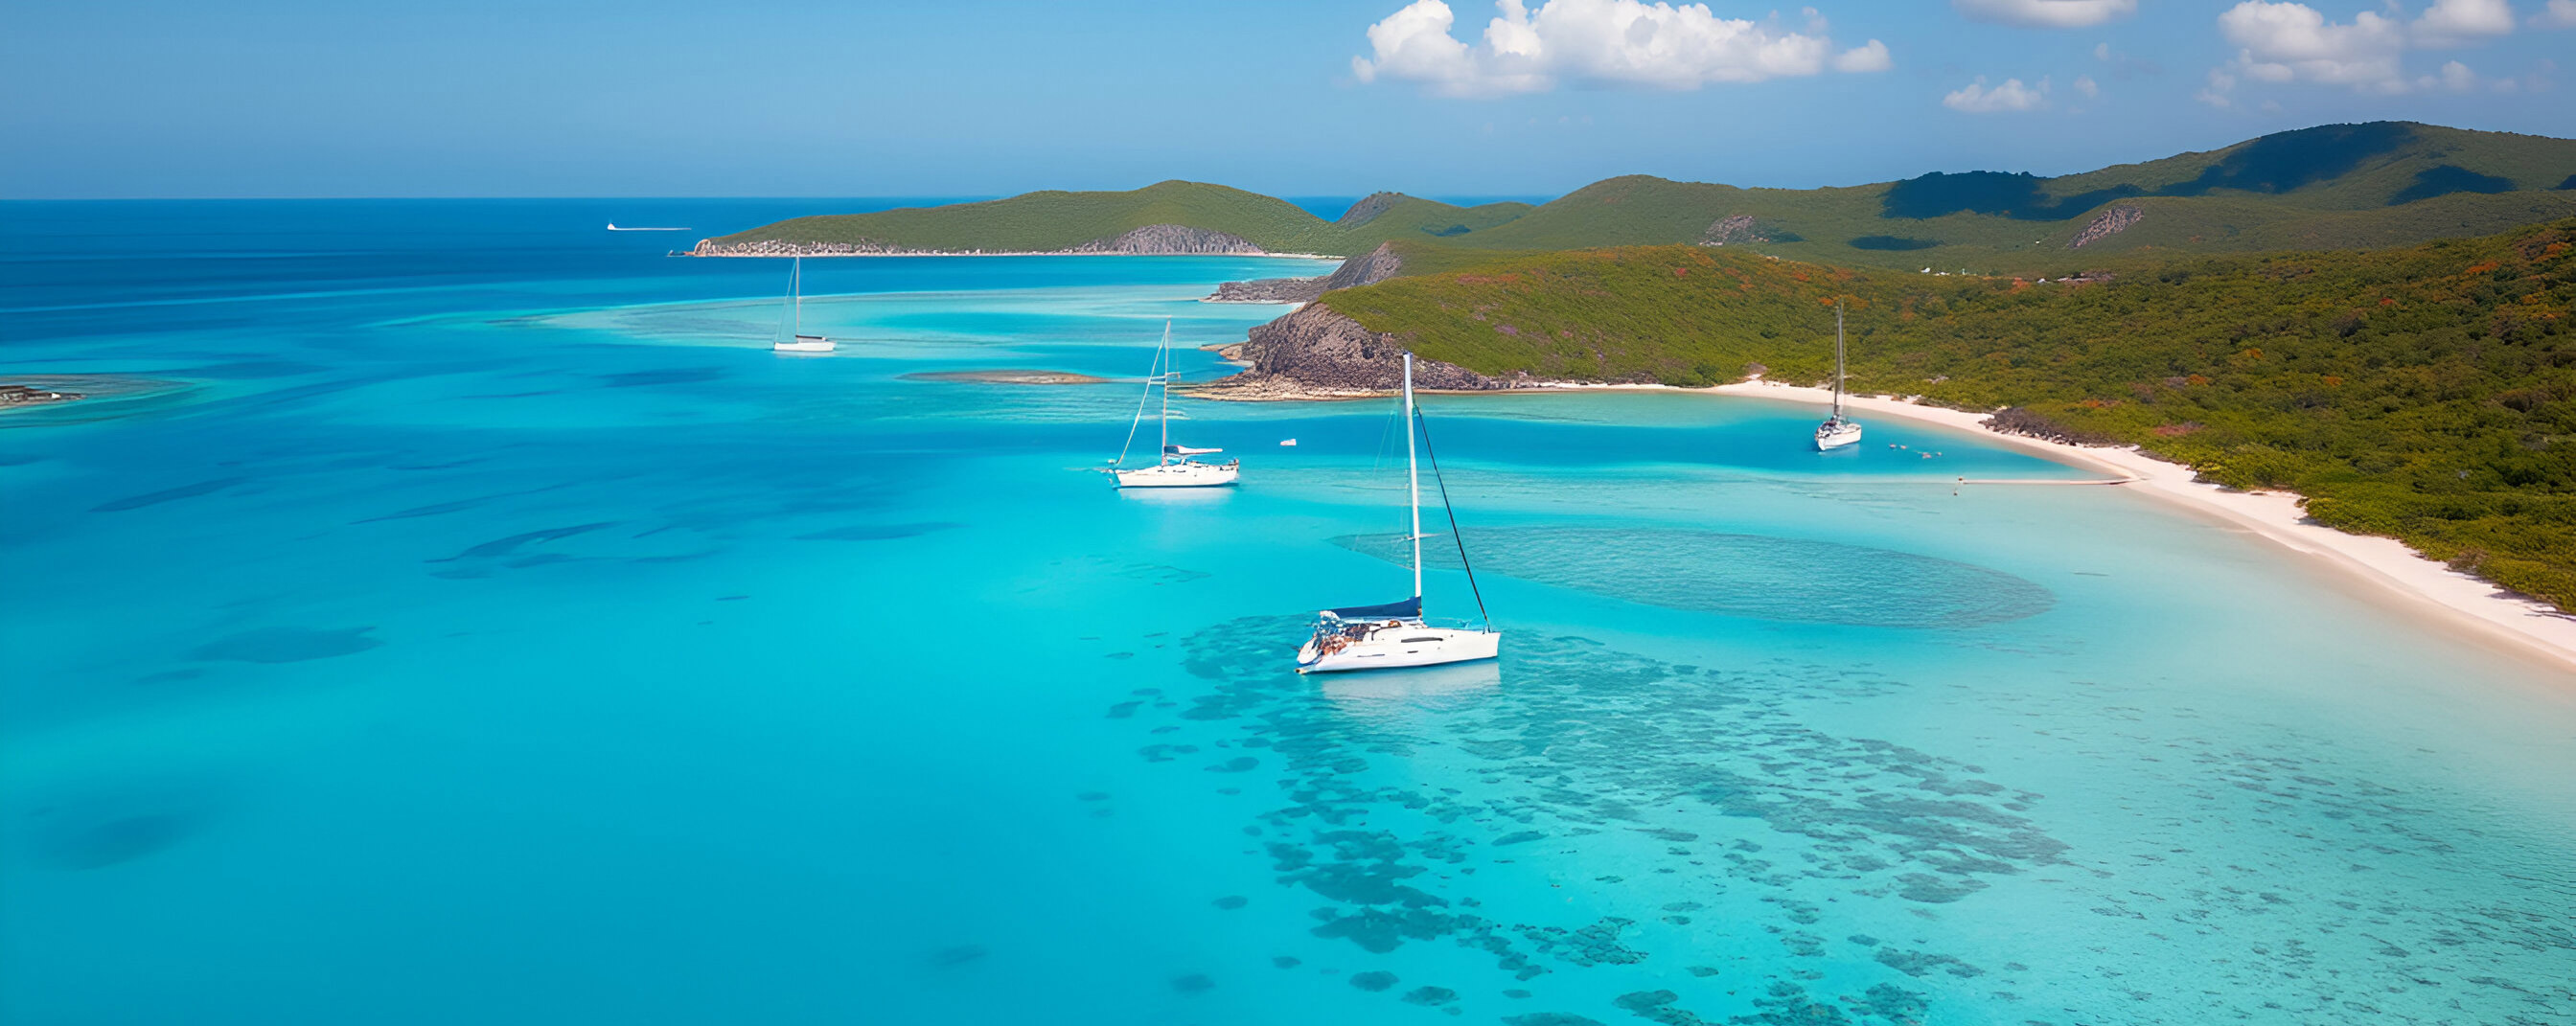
column 1176, row 468
column 1836, row 432
column 1394, row 634
column 796, row 341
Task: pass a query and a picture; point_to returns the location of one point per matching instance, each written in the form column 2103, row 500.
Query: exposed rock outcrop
column 1150, row 240
column 1736, row 229
column 1269, row 290
column 2106, row 224
column 1371, row 268
column 1317, row 352
column 1375, row 266
column 1367, row 209
column 1168, row 239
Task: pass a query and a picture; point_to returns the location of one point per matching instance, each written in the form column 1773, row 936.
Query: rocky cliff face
column 1316, row 351
column 2106, row 224
column 1378, row 265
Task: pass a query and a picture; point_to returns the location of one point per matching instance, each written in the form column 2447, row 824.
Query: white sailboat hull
column 1407, row 644
column 1833, row 435
column 1185, row 474
column 803, row 344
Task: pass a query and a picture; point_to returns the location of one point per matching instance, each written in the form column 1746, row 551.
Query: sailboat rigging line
column 1132, row 425
column 1454, row 534
column 1385, row 430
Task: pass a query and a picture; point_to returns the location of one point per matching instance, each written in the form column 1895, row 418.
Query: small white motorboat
column 1395, row 635
column 1176, row 468
column 1836, row 431
column 794, row 339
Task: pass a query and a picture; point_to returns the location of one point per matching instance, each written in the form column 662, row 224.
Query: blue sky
column 1323, row 97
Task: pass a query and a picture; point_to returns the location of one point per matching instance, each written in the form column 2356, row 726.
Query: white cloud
column 1612, row 42
column 2046, row 13
column 1872, row 56
column 2085, row 84
column 2282, row 42
column 2215, row 93
column 2459, row 22
column 2010, row 97
column 2559, row 14
column 2457, row 77
column 2286, row 41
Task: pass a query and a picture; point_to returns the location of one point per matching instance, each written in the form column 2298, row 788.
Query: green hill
column 1048, row 221
column 1041, row 221
column 2426, row 392
column 2332, row 186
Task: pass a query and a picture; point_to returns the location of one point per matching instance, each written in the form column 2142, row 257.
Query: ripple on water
column 1770, row 578
column 100, row 829
column 286, row 645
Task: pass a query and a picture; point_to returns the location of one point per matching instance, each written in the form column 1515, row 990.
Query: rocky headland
column 1315, row 353
column 1373, row 267
column 1150, row 240
column 1268, row 290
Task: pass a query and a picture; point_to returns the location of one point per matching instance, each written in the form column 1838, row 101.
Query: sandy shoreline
column 2389, row 565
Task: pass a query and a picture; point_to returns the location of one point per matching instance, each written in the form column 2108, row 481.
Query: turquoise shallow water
column 479, row 624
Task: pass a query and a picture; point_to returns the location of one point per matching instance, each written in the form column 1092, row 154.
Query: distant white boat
column 793, row 339
column 1175, row 469
column 612, row 226
column 1393, row 635
column 1836, row 432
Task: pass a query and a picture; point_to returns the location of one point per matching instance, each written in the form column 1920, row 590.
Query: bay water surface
column 453, row 611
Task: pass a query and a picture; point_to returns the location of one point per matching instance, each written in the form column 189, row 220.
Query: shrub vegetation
column 2426, row 393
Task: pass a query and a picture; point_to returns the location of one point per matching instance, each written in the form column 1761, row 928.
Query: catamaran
column 796, row 341
column 1176, row 468
column 1836, row 432
column 1395, row 634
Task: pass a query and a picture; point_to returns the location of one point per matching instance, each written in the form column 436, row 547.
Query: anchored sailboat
column 1836, row 432
column 1394, row 634
column 1176, row 469
column 795, row 340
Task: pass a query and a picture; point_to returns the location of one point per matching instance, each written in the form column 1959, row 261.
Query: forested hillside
column 2427, row 392
column 2328, row 187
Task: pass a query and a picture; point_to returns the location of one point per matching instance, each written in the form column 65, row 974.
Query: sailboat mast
column 1412, row 477
column 1838, row 359
column 1166, row 450
column 796, row 292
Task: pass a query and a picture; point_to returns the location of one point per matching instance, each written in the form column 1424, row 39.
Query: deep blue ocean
column 451, row 611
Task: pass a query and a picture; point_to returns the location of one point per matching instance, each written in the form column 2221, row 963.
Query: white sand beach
column 2386, row 564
